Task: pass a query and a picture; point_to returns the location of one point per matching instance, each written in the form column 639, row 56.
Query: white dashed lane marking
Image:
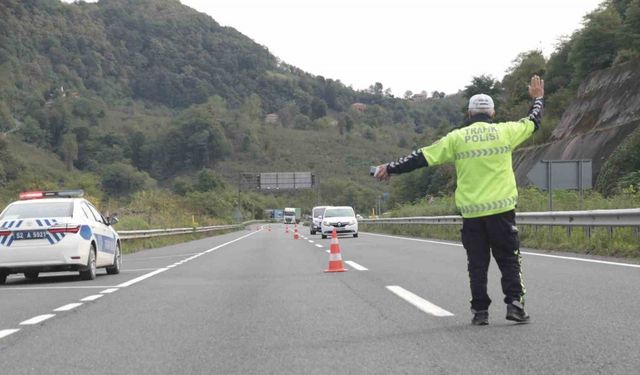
column 91, row 298
column 356, row 265
column 318, row 245
column 419, row 302
column 37, row 319
column 68, row 307
column 110, row 289
column 7, row 332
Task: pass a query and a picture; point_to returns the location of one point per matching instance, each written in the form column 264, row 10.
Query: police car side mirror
column 111, row 220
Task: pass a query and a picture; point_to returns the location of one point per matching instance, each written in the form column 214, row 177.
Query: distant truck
column 292, row 215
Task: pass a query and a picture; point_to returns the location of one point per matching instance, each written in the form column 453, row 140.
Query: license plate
column 30, row 235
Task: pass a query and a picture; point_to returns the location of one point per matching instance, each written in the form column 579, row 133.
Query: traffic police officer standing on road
column 486, row 195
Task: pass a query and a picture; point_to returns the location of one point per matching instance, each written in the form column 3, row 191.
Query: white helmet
column 481, row 103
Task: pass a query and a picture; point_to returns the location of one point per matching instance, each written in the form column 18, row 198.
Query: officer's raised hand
column 536, row 88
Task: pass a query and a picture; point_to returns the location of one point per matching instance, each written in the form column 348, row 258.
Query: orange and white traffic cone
column 335, row 259
column 296, row 236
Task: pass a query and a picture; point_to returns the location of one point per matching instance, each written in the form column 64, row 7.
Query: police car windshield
column 339, row 212
column 318, row 212
column 35, row 210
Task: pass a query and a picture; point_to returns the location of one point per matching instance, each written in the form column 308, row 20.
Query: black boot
column 480, row 318
column 515, row 312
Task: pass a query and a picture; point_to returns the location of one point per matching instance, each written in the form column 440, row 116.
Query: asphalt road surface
column 258, row 302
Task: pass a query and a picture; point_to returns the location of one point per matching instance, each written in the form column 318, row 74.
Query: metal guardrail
column 147, row 233
column 595, row 218
column 569, row 219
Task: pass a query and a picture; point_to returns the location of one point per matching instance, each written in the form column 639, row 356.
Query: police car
column 51, row 231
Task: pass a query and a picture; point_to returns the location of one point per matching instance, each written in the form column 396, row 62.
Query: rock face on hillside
column 605, row 111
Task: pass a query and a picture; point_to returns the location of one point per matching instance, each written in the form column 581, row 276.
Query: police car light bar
column 78, row 193
column 31, row 195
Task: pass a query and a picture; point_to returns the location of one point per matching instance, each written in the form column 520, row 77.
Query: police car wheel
column 3, row 277
column 32, row 275
column 117, row 262
column 89, row 271
column 355, row 235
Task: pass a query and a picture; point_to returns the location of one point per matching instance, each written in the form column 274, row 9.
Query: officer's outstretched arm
column 536, row 92
column 405, row 164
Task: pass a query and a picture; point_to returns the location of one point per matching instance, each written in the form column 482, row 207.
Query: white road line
column 328, row 251
column 584, row 260
column 57, row 287
column 68, row 307
column 37, row 319
column 139, row 270
column 158, row 257
column 522, row 252
column 109, row 291
column 418, row 301
column 171, row 266
column 356, row 265
column 140, row 278
column 310, row 241
column 7, row 332
column 92, row 298
column 413, row 239
column 318, row 245
column 160, row 270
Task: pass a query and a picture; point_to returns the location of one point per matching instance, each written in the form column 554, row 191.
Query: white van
column 341, row 218
column 316, row 218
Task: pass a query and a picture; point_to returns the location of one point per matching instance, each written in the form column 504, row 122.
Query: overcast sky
column 404, row 44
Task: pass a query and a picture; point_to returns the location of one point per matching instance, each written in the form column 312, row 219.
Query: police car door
column 105, row 243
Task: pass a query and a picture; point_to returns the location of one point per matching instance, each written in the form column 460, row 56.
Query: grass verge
column 622, row 242
column 133, row 245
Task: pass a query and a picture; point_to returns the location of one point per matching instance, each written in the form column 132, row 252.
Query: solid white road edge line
column 58, row 287
column 522, row 252
column 140, row 278
column 356, row 265
column 92, row 298
column 7, row 332
column 418, row 301
column 37, row 319
column 158, row 257
column 109, row 291
column 160, row 270
column 68, row 307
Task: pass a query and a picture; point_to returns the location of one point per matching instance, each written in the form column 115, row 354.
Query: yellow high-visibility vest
column 486, row 184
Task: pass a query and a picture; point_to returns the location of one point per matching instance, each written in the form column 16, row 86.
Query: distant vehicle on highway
column 316, row 218
column 342, row 218
column 51, row 231
column 292, row 215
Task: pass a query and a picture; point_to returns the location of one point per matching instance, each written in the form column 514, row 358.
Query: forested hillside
column 139, row 99
column 148, row 93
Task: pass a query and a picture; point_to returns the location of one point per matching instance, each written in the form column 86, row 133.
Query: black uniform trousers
column 495, row 234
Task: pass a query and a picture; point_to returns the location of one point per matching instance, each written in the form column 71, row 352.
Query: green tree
column 318, row 108
column 123, row 179
column 69, row 150
column 630, row 31
column 595, row 46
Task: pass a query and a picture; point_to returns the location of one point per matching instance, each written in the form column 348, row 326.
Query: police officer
column 486, row 195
